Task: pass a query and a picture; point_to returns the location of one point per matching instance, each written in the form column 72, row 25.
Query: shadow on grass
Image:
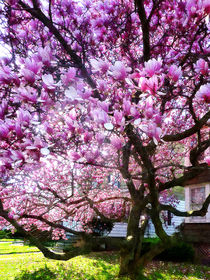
column 41, row 274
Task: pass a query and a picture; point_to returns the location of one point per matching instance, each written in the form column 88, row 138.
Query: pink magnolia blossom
column 207, row 160
column 206, row 6
column 45, row 55
column 74, row 156
column 28, row 75
column 149, row 111
column 48, row 81
column 23, row 117
column 142, row 84
column 45, row 98
column 204, row 93
column 175, row 72
column 153, row 131
column 102, row 86
column 69, row 76
column 87, row 137
column 99, row 66
column 27, row 94
column 32, row 65
column 86, row 94
column 7, row 77
column 4, row 131
column 158, row 119
column 100, row 116
column 86, row 98
column 201, row 67
column 119, row 118
column 17, row 156
column 152, row 85
column 100, row 138
column 90, row 157
column 18, row 130
column 116, row 142
column 119, row 71
column 191, row 7
column 48, row 128
column 104, row 106
column 126, row 107
column 152, row 67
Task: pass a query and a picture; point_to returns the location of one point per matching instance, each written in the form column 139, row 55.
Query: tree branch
column 188, row 132
column 54, row 225
column 145, row 28
column 46, row 252
column 38, row 14
column 102, row 216
column 197, row 151
column 190, row 174
column 125, row 172
column 202, row 212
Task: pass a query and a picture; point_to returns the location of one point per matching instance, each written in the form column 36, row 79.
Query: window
column 197, row 198
column 196, row 201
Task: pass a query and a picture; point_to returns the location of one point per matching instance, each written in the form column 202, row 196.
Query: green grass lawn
column 9, row 240
column 13, row 248
column 95, row 266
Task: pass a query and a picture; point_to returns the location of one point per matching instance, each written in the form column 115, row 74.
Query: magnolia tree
column 93, row 88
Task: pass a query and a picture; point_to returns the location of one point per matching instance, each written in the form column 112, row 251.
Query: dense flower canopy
column 93, row 88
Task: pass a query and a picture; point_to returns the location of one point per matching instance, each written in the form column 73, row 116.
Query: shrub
column 181, row 252
column 98, row 226
column 4, row 234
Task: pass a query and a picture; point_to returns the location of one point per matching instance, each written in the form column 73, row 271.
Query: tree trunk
column 132, row 264
column 129, row 254
column 129, row 265
column 132, row 261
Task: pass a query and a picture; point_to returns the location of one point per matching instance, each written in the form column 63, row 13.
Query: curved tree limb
column 190, row 174
column 202, row 212
column 188, row 132
column 46, row 252
column 198, row 150
column 52, row 224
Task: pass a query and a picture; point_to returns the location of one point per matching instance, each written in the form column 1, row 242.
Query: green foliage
column 179, row 192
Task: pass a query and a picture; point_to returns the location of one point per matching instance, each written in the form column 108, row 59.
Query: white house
column 120, row 229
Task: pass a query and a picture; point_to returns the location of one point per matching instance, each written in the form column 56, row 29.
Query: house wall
column 170, row 229
column 119, row 230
